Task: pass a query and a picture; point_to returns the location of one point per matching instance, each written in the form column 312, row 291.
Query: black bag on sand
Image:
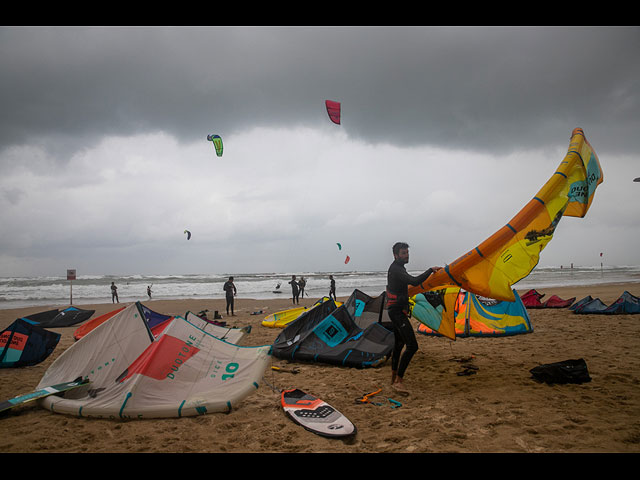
column 568, row 371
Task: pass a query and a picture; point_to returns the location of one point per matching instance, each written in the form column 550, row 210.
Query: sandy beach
column 500, row 409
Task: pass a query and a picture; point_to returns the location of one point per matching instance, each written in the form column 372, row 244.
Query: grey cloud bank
column 446, row 133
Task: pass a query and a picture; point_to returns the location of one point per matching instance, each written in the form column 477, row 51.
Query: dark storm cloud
column 476, row 88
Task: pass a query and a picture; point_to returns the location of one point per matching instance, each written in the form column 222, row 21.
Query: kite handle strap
column 365, row 397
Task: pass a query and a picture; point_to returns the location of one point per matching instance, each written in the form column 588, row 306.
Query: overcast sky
column 446, row 134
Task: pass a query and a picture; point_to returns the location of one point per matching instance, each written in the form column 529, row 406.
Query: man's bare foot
column 398, row 386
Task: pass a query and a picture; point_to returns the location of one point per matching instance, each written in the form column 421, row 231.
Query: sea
column 57, row 291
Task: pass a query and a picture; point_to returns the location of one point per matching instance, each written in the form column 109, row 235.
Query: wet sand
column 500, row 409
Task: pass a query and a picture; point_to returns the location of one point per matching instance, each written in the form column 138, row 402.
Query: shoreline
column 499, row 409
column 604, row 287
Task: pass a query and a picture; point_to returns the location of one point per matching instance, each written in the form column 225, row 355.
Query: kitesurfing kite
column 513, row 251
column 217, row 143
column 188, row 234
column 636, row 179
column 333, row 109
column 509, row 255
column 346, row 260
column 339, row 246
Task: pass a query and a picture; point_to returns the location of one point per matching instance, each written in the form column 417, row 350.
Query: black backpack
column 568, row 371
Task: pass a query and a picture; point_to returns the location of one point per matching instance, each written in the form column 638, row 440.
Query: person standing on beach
column 295, row 290
column 114, row 293
column 230, row 291
column 332, row 288
column 149, row 291
column 398, row 281
column 302, row 283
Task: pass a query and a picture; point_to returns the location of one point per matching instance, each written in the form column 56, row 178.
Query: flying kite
column 333, row 109
column 339, row 246
column 217, row 143
column 636, row 179
column 188, row 234
column 346, row 260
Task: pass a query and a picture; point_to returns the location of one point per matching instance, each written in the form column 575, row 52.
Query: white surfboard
column 316, row 415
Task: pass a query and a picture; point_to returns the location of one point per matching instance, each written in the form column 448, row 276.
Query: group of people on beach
column 297, row 291
column 114, row 292
column 297, row 288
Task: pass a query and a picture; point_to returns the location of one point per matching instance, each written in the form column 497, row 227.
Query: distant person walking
column 295, row 290
column 332, row 288
column 149, row 291
column 230, row 292
column 114, row 293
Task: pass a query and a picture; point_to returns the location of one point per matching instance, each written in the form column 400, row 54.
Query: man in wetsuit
column 230, row 291
column 295, row 290
column 332, row 288
column 398, row 281
column 114, row 293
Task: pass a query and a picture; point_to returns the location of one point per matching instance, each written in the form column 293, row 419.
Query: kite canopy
column 156, row 322
column 284, row 317
column 479, row 317
column 85, row 328
column 228, row 334
column 512, row 252
column 436, row 310
column 333, row 109
column 217, row 143
column 63, row 318
column 41, row 317
column 533, row 299
column 366, row 310
column 626, row 303
column 555, row 301
column 185, row 371
column 23, row 343
column 188, row 234
column 327, row 334
column 579, row 303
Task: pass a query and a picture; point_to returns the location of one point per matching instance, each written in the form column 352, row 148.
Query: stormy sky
column 447, row 132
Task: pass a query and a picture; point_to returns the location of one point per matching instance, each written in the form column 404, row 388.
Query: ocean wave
column 27, row 291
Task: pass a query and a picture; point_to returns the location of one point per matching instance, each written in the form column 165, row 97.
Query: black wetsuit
column 398, row 281
column 230, row 290
column 295, row 292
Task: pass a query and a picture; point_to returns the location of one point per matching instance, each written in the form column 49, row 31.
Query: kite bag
column 567, row 371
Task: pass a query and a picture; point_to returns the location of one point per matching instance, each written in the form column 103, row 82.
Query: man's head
column 401, row 252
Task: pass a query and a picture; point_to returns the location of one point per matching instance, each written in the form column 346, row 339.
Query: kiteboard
column 43, row 392
column 315, row 414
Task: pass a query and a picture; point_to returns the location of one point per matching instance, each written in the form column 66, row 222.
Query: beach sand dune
column 500, row 408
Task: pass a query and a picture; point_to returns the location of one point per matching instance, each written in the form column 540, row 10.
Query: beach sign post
column 71, row 276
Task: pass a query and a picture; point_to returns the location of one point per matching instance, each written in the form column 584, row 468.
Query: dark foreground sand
column 499, row 409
